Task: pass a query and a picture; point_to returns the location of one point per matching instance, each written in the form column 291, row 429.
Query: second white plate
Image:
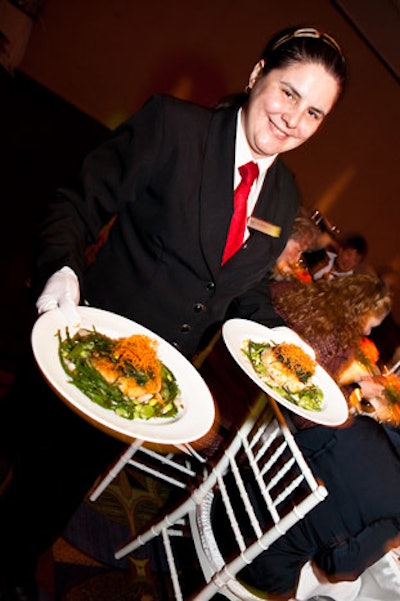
column 334, row 406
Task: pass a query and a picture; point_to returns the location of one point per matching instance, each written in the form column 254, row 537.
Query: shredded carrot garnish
column 138, row 350
column 295, row 358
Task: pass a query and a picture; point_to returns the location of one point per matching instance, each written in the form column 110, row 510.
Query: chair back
column 262, row 486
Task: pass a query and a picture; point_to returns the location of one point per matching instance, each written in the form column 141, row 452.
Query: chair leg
column 166, row 523
column 114, row 471
column 126, row 458
column 172, row 567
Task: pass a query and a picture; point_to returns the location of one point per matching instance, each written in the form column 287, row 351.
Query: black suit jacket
column 167, row 173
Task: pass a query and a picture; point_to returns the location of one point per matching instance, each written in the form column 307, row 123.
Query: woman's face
column 287, row 106
column 372, row 321
column 347, row 259
column 292, row 251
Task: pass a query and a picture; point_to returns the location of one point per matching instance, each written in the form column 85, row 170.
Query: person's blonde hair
column 304, row 230
column 339, row 306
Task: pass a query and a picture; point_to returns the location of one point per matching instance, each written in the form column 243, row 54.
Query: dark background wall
column 88, row 64
column 44, row 139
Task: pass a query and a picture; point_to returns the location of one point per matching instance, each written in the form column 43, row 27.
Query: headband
column 309, row 32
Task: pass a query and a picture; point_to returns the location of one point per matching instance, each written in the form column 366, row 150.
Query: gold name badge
column 264, row 227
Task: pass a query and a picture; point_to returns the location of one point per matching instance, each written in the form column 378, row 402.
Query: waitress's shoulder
column 285, row 173
column 177, row 106
column 161, row 112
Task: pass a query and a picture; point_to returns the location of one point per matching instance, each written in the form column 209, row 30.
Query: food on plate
column 287, row 369
column 287, row 365
column 121, row 374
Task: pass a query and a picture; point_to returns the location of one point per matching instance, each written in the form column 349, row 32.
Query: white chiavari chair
column 286, row 490
column 178, row 467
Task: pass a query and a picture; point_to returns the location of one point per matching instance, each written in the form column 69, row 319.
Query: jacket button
column 210, row 285
column 185, row 328
column 199, row 307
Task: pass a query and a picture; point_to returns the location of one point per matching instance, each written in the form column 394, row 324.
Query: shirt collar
column 243, row 153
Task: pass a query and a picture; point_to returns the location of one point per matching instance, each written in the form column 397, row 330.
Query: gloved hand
column 61, row 290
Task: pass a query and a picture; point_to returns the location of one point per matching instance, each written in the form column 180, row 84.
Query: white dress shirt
column 242, row 156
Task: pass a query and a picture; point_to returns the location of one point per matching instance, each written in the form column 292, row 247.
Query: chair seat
column 208, row 552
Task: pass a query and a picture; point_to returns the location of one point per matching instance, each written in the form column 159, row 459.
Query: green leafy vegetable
column 76, row 355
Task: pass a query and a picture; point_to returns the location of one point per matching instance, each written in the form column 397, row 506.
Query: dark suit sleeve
column 355, row 554
column 256, row 304
column 110, row 177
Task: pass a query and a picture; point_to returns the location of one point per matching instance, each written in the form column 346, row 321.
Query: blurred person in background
column 351, row 253
column 304, row 237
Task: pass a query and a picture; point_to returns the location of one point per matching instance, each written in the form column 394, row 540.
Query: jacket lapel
column 216, row 194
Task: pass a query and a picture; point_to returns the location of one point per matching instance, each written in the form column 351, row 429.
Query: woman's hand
column 371, row 387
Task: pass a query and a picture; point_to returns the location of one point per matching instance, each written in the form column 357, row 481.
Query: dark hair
column 305, row 44
column 357, row 242
column 297, row 45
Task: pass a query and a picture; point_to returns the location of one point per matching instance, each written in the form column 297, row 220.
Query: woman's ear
column 256, row 73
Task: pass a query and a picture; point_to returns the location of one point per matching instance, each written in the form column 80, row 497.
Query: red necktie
column 234, row 241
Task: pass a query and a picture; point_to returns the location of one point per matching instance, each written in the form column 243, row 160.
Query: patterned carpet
column 81, row 565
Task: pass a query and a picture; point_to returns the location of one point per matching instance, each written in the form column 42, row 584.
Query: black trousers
column 56, row 455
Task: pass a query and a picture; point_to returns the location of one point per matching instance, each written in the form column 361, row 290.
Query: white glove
column 61, row 290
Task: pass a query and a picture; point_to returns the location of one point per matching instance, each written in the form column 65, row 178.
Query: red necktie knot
column 249, row 172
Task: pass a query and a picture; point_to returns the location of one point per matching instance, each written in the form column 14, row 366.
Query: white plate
column 197, row 416
column 334, row 406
